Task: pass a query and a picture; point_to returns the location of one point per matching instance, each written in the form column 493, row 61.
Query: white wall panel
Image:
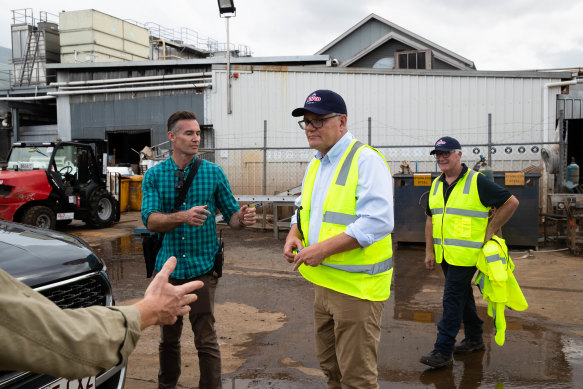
column 406, row 109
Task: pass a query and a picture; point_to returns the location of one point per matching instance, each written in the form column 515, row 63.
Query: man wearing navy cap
column 340, row 240
column 460, row 219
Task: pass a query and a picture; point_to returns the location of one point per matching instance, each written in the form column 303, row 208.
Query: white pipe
column 26, row 98
column 122, row 90
column 546, row 103
column 63, row 88
column 129, row 79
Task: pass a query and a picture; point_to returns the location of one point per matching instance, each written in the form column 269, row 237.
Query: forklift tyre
column 102, row 209
column 40, row 216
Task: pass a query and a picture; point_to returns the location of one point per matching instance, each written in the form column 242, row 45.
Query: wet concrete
column 265, row 324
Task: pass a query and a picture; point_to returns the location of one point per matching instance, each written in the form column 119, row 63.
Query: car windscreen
column 30, row 158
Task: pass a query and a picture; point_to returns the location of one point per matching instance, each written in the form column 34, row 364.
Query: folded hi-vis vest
column 498, row 285
column 459, row 228
column 362, row 272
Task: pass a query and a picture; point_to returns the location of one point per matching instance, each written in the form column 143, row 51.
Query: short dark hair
column 180, row 115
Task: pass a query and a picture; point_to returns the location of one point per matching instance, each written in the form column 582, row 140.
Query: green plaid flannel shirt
column 194, row 247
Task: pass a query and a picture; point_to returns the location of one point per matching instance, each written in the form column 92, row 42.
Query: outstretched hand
column 247, row 215
column 163, row 302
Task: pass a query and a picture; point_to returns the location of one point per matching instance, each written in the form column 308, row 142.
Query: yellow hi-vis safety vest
column 460, row 228
column 364, row 273
column 498, row 285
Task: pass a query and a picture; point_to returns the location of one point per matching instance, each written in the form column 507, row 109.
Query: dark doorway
column 125, row 146
column 575, row 143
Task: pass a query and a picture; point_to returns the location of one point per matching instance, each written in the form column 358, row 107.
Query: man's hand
column 247, row 216
column 196, row 216
column 163, row 302
column 293, row 243
column 311, row 256
column 430, row 261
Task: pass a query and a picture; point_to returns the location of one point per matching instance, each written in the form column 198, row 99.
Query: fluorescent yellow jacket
column 498, row 285
column 459, row 228
column 364, row 273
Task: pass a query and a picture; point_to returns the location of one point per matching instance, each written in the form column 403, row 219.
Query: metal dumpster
column 411, row 192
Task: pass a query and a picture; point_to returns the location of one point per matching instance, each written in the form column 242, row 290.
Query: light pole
column 227, row 10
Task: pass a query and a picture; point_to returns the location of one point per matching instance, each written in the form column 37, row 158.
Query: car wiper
column 40, row 152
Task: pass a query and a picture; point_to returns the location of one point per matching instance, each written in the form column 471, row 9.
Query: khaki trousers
column 348, row 332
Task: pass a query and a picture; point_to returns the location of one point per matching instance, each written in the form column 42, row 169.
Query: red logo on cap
column 440, row 142
column 312, row 98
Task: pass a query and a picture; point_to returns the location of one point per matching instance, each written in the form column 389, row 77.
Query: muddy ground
column 265, row 324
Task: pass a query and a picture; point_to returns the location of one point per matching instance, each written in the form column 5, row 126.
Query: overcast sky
column 494, row 34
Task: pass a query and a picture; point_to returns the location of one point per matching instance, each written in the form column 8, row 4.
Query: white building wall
column 407, row 109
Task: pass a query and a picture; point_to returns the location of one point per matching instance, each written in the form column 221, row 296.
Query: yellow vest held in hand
column 498, row 285
column 365, row 273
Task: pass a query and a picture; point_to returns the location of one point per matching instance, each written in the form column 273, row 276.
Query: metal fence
column 270, row 170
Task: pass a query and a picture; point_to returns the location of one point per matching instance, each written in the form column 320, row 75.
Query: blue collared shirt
column 374, row 193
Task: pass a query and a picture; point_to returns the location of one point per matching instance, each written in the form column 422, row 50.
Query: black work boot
column 469, row 346
column 437, row 359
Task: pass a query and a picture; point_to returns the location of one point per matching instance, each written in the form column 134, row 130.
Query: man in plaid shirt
column 190, row 236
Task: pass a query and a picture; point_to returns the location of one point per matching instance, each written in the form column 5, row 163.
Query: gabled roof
column 400, row 34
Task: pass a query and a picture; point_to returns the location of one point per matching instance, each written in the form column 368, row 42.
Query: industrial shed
column 401, row 113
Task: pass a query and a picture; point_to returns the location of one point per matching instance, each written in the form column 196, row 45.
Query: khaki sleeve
column 36, row 335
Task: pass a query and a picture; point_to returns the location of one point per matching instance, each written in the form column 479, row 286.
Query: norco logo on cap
column 313, row 98
column 440, row 142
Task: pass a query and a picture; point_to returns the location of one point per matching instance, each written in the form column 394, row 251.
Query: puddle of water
column 537, row 353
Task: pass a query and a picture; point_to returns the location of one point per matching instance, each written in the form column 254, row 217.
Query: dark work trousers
column 458, row 305
column 205, row 340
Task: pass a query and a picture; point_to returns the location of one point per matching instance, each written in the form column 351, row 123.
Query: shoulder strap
column 182, row 195
column 189, row 178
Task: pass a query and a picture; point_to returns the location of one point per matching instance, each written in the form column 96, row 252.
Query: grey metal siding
column 359, row 40
column 386, row 50
column 91, row 120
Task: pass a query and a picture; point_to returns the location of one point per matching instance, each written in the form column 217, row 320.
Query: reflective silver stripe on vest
column 481, row 282
column 436, row 211
column 468, row 184
column 343, row 219
column 436, row 241
column 466, row 212
column 496, row 257
column 371, row 270
column 343, row 174
column 463, row 243
column 436, row 186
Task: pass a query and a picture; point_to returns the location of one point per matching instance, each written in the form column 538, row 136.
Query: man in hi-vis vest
column 458, row 224
column 340, row 240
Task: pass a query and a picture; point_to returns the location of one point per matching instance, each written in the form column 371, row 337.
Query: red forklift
column 49, row 184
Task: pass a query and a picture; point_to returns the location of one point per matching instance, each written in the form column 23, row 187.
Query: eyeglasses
column 180, row 176
column 445, row 154
column 316, row 123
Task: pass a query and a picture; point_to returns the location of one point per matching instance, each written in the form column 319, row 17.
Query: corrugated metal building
column 400, row 112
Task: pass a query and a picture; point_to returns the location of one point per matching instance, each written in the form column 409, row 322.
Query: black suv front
column 64, row 269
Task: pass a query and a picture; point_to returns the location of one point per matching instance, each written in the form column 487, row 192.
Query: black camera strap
column 189, row 179
column 184, row 190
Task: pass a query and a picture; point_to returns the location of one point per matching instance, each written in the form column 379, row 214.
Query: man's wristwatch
column 241, row 221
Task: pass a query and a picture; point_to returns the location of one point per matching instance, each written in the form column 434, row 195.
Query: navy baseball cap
column 321, row 102
column 447, row 143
